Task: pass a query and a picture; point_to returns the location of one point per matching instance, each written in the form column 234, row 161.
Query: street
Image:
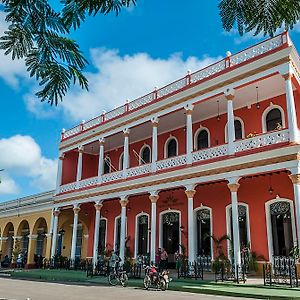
column 32, row 290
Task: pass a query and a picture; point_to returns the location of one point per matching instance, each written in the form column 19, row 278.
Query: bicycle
column 155, row 279
column 118, row 276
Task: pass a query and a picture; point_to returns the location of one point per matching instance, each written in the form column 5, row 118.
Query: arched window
column 145, row 155
column 102, row 236
column 79, row 241
column 121, row 161
column 171, row 148
column 117, row 233
column 202, row 139
column 107, row 164
column 142, row 234
column 273, row 119
column 238, row 129
column 203, row 218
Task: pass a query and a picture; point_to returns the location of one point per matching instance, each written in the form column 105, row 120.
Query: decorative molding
column 295, row 178
column 233, row 187
column 190, row 193
column 153, row 198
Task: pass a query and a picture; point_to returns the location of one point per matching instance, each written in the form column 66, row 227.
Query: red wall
column 69, row 168
column 89, row 165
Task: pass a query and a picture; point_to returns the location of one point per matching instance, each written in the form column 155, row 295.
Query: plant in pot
column 221, row 260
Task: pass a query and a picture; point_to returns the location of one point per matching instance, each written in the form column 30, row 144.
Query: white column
column 56, row 213
column 98, row 207
column 153, row 198
column 79, row 164
column 76, row 210
column 190, row 192
column 295, row 178
column 233, row 186
column 59, row 172
column 154, row 122
column 101, row 158
column 126, row 149
column 123, row 203
column 291, row 109
column 189, row 133
column 229, row 94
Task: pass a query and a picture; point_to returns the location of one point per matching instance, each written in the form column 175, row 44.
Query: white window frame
column 243, row 128
column 211, row 229
column 269, row 223
column 115, row 230
column 141, row 152
column 166, row 146
column 266, row 111
column 136, row 233
column 196, row 137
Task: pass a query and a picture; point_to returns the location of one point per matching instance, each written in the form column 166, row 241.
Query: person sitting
column 153, row 273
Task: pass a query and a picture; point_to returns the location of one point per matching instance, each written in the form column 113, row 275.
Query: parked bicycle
column 118, row 276
column 155, row 279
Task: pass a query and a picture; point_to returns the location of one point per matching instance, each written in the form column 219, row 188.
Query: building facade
column 213, row 153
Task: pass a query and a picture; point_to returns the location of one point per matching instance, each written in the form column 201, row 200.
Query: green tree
column 38, row 34
column 259, row 16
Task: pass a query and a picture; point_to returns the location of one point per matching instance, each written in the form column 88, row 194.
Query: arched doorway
column 8, row 243
column 204, row 225
column 102, row 236
column 281, row 228
column 142, row 225
column 40, row 229
column 170, row 238
column 22, row 243
column 117, row 234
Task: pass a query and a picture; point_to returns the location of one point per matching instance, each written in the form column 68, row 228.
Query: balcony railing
column 178, row 85
column 255, row 142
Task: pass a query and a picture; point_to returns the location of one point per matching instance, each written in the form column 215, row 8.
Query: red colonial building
column 213, row 153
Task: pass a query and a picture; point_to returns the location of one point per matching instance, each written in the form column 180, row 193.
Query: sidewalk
column 254, row 287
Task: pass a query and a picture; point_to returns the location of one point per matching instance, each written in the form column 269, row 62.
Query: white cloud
column 118, row 78
column 21, row 155
column 8, row 186
column 11, row 71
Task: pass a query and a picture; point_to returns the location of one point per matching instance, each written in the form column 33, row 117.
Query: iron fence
column 190, row 270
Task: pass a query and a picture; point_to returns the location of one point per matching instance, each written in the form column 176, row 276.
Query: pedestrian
column 163, row 259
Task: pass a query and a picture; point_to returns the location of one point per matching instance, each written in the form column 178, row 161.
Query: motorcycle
column 155, row 279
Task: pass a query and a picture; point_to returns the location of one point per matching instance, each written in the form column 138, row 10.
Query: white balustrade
column 207, row 72
column 112, row 176
column 210, row 153
column 140, row 101
column 140, row 170
column 88, row 182
column 72, row 131
column 68, row 187
column 256, row 50
column 263, row 140
column 171, row 162
column 171, row 88
column 115, row 113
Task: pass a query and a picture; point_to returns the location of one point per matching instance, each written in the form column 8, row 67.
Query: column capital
column 295, row 178
column 98, row 206
column 61, row 156
column 48, row 235
column 287, row 76
column 153, row 198
column 229, row 93
column 102, row 141
column 126, row 132
column 233, row 187
column 80, row 149
column 189, row 109
column 155, row 121
column 190, row 193
column 17, row 238
column 4, row 238
column 32, row 236
column 76, row 209
column 124, row 201
column 56, row 212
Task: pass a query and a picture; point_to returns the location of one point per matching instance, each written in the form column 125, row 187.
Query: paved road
column 25, row 290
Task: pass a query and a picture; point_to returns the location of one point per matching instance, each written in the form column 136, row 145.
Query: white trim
column 211, row 229
column 228, row 224
column 160, row 243
column 201, row 128
column 136, row 233
column 115, row 229
column 269, row 225
column 121, row 161
column 243, row 128
column 266, row 111
column 141, row 152
column 171, row 137
column 103, row 218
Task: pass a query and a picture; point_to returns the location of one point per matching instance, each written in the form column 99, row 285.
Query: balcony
column 227, row 64
column 202, row 156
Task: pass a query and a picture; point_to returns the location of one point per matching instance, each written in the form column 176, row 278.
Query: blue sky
column 145, row 46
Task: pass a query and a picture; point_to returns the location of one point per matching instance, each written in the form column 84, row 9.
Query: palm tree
column 259, row 16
